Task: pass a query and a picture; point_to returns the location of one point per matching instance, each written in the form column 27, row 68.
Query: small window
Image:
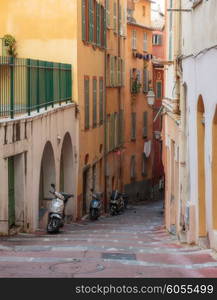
column 157, row 39
column 133, row 167
column 144, row 11
column 159, row 89
column 134, row 39
column 133, row 126
column 145, row 42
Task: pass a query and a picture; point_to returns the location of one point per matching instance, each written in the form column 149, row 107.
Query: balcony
column 29, row 85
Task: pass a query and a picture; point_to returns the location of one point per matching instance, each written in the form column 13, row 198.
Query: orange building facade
column 138, row 114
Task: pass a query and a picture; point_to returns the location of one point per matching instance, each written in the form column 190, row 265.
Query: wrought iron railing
column 28, row 85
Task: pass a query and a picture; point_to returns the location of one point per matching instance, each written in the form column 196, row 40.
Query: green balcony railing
column 28, row 85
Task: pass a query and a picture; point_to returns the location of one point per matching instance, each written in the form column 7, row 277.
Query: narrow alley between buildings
column 134, row 244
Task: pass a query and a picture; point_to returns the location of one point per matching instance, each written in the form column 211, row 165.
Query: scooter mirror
column 53, row 185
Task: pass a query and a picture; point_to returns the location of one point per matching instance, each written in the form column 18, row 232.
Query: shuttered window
column 133, row 167
column 94, row 102
column 98, row 24
column 101, row 100
column 120, row 21
column 115, row 16
column 108, row 13
column 112, row 70
column 116, row 130
column 123, row 72
column 133, row 126
column 157, row 39
column 84, row 24
column 87, row 102
column 145, row 42
column 134, row 39
column 119, row 71
column 91, row 21
column 145, row 80
column 159, row 89
column 145, row 124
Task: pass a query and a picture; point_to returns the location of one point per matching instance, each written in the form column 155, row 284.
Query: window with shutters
column 108, row 13
column 157, row 39
column 103, row 27
column 144, row 165
column 133, row 126
column 145, row 124
column 159, row 89
column 94, row 102
column 119, row 71
column 112, row 70
column 108, row 71
column 98, row 24
column 87, row 102
column 145, row 42
column 124, row 22
column 91, row 21
column 115, row 16
column 116, row 129
column 133, row 167
column 145, row 80
column 85, row 20
column 135, row 81
column 134, row 37
column 101, row 100
column 123, row 72
column 108, row 132
column 120, row 20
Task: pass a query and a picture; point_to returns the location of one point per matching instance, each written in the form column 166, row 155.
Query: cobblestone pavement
column 134, row 244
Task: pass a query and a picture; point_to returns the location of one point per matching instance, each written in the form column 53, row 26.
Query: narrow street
column 132, row 245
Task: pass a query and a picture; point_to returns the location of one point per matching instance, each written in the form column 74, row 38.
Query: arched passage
column 66, row 171
column 201, row 167
column 214, row 171
column 47, row 176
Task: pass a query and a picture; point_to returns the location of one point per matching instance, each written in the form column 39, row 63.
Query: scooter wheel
column 53, row 225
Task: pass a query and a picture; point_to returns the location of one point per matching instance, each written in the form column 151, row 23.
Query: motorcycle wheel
column 93, row 214
column 112, row 210
column 53, row 225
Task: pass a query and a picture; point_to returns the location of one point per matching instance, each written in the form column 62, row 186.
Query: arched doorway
column 47, row 176
column 66, row 172
column 201, row 167
column 214, row 171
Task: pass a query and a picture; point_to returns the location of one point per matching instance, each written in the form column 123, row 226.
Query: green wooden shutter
column 104, row 29
column 133, row 126
column 91, row 22
column 94, row 102
column 84, row 36
column 101, row 102
column 87, row 96
column 115, row 17
column 145, row 80
column 119, row 71
column 159, row 89
column 120, row 20
column 11, row 192
column 145, row 124
column 112, row 71
column 98, row 22
column 108, row 13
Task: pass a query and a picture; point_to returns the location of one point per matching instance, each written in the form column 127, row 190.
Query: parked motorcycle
column 56, row 213
column 116, row 203
column 95, row 206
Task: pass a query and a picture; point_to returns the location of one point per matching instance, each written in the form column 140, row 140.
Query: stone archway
column 214, row 171
column 47, row 176
column 201, row 167
column 66, row 173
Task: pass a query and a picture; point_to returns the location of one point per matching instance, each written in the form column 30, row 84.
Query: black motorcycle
column 95, row 206
column 116, row 203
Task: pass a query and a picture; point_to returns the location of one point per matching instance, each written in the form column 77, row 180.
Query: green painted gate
column 11, row 195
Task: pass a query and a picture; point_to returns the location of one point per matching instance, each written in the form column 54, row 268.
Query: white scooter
column 56, row 214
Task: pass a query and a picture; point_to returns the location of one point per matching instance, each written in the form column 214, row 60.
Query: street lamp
column 151, row 97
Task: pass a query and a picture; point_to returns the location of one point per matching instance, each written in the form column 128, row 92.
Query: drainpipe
column 105, row 125
column 119, row 95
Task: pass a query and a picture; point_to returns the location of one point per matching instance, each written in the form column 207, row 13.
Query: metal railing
column 28, row 85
